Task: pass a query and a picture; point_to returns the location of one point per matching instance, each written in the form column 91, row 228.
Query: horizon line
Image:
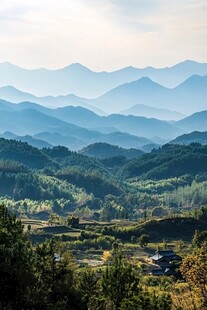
column 97, row 71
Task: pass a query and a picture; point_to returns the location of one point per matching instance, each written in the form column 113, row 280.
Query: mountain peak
column 194, row 80
column 10, row 65
column 187, row 64
column 77, row 67
column 188, row 61
column 146, row 81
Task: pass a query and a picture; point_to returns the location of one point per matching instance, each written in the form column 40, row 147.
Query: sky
column 103, row 35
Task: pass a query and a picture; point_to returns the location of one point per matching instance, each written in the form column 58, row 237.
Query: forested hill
column 169, row 161
column 26, row 172
column 24, row 153
column 54, row 158
column 105, row 150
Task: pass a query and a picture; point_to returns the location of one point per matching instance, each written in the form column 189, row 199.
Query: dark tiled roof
column 157, row 272
column 165, row 252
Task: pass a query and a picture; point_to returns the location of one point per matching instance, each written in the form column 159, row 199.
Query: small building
column 165, row 257
column 166, row 262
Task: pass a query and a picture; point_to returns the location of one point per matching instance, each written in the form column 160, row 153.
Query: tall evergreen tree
column 17, row 277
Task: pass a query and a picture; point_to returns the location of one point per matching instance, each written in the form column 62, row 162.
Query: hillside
column 29, row 139
column 169, row 161
column 57, row 179
column 194, row 122
column 193, row 137
column 105, row 150
column 173, row 228
column 24, row 154
column 62, row 170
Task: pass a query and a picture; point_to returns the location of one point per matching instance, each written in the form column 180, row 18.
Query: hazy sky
column 102, row 34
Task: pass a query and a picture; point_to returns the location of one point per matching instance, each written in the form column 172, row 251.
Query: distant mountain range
column 14, row 95
column 152, row 112
column 186, row 98
column 10, row 93
column 77, row 127
column 81, row 81
column 142, row 97
column 30, row 118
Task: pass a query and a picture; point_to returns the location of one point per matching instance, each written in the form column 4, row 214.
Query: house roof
column 156, row 257
column 157, row 272
column 168, row 254
column 165, row 252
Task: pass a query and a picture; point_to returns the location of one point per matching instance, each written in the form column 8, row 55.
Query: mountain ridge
column 84, row 82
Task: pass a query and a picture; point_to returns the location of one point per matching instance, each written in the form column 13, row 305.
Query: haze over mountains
column 77, row 127
column 148, row 111
column 140, row 97
column 141, row 112
column 12, row 94
column 188, row 97
column 193, row 137
column 81, row 81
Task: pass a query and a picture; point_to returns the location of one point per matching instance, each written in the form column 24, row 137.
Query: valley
column 100, row 185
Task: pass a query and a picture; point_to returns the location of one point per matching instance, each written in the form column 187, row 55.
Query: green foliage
column 199, row 238
column 119, row 281
column 32, row 278
column 87, row 284
column 105, row 150
column 92, row 191
column 201, row 214
column 143, row 240
column 16, row 264
column 120, row 289
column 73, row 221
column 194, row 270
column 146, row 301
column 194, row 194
column 93, row 182
column 24, row 153
column 169, row 161
column 101, row 242
column 157, row 230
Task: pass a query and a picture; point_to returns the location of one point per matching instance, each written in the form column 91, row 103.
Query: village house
column 166, row 262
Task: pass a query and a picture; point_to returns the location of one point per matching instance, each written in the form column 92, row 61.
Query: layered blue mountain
column 38, row 143
column 152, row 112
column 193, row 137
column 194, row 122
column 187, row 98
column 81, row 81
column 10, row 93
column 32, row 119
column 60, row 121
column 77, row 127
